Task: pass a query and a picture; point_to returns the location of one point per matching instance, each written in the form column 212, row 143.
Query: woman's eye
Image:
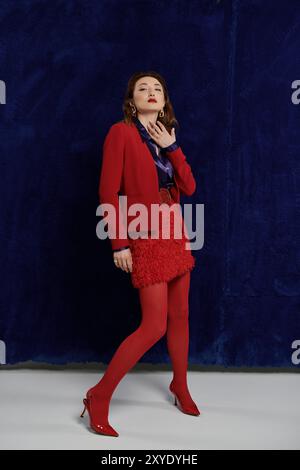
column 141, row 89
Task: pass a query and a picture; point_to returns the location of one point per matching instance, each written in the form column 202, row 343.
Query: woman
column 143, row 161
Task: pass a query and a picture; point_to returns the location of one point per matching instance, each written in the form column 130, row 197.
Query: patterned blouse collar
column 161, row 160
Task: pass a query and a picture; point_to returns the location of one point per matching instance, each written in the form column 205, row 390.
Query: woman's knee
column 159, row 330
column 155, row 330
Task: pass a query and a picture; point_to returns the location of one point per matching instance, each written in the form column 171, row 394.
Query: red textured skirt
column 161, row 259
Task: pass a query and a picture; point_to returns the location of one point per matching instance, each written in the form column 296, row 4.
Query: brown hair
column 168, row 119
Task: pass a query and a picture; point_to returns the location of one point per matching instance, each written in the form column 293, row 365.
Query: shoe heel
column 84, row 402
column 194, row 411
column 174, row 395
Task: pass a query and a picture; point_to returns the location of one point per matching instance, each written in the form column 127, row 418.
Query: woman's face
column 146, row 88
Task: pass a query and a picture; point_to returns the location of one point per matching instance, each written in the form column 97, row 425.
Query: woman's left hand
column 160, row 135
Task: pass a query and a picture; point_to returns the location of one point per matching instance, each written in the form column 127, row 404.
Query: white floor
column 40, row 410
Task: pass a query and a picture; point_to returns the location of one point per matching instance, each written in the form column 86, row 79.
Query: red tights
column 165, row 309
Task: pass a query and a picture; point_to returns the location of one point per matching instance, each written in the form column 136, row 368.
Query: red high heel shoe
column 190, row 410
column 100, row 428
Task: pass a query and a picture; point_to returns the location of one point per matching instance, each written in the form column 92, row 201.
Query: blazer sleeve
column 110, row 180
column 183, row 172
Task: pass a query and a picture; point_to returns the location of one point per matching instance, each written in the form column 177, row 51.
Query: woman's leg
column 178, row 333
column 154, row 308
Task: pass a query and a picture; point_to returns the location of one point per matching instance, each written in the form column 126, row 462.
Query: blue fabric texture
column 231, row 70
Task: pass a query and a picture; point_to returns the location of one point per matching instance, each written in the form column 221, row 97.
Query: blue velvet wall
column 229, row 66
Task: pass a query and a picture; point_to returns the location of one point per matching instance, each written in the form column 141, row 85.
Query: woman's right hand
column 123, row 260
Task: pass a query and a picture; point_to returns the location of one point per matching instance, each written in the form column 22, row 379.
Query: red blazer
column 128, row 168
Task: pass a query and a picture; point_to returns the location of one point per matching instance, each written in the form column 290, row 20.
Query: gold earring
column 161, row 113
column 133, row 110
